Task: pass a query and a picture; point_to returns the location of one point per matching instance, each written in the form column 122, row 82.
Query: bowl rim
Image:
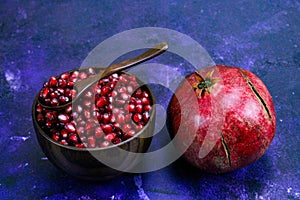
column 47, row 137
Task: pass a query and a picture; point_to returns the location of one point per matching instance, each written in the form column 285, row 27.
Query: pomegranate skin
column 236, row 120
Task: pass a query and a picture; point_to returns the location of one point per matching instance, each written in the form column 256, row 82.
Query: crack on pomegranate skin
column 260, row 99
column 226, row 149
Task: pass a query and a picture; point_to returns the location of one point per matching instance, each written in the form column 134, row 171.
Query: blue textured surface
column 42, row 39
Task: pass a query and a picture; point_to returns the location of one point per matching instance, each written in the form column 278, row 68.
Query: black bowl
column 87, row 163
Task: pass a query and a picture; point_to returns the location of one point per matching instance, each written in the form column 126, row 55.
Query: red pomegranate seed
column 145, row 101
column 45, row 93
column 126, row 128
column 70, row 84
column 131, row 108
column 64, row 142
column 102, row 101
column 75, row 74
column 147, row 108
column 137, row 117
column 54, row 102
column 62, row 83
column 104, row 144
column 82, row 75
column 80, row 145
column 98, row 132
column 121, row 118
column 87, row 114
column 107, row 128
column 55, row 137
column 114, row 93
column 64, row 133
column 88, row 94
column 105, row 90
column 64, row 118
column 73, row 138
column 40, row 117
column 70, row 127
column 61, row 91
column 52, row 81
column 91, row 141
column 146, row 116
column 39, row 108
column 80, row 130
column 127, row 118
column 109, row 137
column 106, row 118
column 65, row 76
column 91, row 71
column 139, row 108
column 138, row 93
column 124, row 96
column 116, row 140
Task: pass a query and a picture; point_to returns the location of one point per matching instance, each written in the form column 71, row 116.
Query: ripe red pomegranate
column 112, row 111
column 235, row 122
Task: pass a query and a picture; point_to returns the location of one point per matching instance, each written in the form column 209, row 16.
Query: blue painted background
column 39, row 39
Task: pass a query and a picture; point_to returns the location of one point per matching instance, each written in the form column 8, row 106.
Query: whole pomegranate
column 231, row 115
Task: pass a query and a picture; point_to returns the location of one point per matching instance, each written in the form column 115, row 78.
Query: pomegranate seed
column 88, row 94
column 80, row 130
column 55, row 137
column 114, row 93
column 82, row 75
column 64, row 118
column 61, row 91
column 73, row 93
column 147, row 108
column 62, row 83
column 80, row 145
column 137, row 117
column 98, row 132
column 116, row 140
column 138, row 93
column 54, row 102
column 91, row 140
column 87, row 114
column 70, row 127
column 139, row 108
column 45, row 93
column 52, row 81
column 64, row 133
column 145, row 101
column 146, row 116
column 104, row 144
column 102, row 101
column 109, row 137
column 106, row 118
column 107, row 128
column 91, row 71
column 70, row 84
column 75, row 74
column 105, row 90
column 40, row 117
column 65, row 76
column 73, row 138
column 39, row 108
column 63, row 142
column 121, row 118
column 131, row 108
column 126, row 128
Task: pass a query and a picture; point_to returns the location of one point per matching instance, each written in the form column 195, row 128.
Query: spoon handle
column 154, row 51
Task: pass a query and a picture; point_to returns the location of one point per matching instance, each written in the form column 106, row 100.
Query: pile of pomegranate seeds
column 114, row 110
column 59, row 91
